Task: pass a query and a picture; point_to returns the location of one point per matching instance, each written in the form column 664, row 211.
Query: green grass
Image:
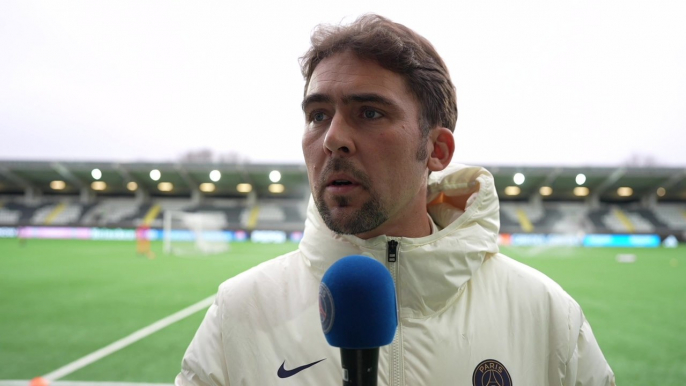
column 61, row 300
column 637, row 311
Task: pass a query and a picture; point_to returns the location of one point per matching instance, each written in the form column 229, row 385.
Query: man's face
column 360, row 144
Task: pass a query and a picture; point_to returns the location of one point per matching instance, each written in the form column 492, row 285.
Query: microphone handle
column 360, row 366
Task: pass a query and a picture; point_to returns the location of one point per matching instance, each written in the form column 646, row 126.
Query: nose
column 339, row 138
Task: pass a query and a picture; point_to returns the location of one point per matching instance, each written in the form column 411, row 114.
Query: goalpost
column 194, row 233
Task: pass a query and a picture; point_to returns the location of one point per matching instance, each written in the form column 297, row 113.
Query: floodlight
column 625, row 191
column 512, row 190
column 244, row 188
column 275, row 176
column 581, row 191
column 276, row 188
column 96, row 173
column 215, row 175
column 580, row 179
column 519, row 178
column 546, row 190
column 132, row 186
column 165, row 186
column 58, row 185
column 207, row 187
column 98, row 185
column 155, row 175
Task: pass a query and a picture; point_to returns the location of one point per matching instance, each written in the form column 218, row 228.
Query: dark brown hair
column 395, row 48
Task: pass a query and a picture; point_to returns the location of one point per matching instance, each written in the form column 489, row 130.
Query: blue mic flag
column 357, row 304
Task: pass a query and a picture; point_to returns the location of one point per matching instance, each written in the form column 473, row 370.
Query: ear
column 442, row 148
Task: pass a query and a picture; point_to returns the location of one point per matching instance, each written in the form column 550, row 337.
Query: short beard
column 369, row 217
column 424, row 130
column 422, row 154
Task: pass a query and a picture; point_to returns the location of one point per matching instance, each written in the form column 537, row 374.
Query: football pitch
column 61, row 300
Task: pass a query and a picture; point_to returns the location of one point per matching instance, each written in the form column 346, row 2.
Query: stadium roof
column 602, row 182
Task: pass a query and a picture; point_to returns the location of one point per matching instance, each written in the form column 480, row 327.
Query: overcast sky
column 538, row 82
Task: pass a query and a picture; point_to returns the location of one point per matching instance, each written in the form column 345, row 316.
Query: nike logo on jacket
column 283, row 373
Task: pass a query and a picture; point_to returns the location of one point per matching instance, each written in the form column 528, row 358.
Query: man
column 380, row 110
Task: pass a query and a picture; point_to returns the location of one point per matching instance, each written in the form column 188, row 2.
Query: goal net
column 188, row 233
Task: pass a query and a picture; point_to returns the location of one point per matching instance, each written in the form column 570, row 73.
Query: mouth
column 341, row 184
column 341, row 179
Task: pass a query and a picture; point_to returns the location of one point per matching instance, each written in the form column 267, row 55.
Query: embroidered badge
column 491, row 373
column 326, row 309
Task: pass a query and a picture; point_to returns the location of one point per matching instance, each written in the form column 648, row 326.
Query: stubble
column 369, row 217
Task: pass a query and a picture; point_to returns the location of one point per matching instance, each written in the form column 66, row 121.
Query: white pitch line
column 82, row 383
column 121, row 343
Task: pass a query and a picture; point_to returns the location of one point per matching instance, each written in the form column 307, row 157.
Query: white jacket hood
column 433, row 269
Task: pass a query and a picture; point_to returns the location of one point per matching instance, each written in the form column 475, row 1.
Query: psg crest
column 326, row 309
column 491, row 373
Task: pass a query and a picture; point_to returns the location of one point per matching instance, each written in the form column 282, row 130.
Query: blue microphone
column 359, row 314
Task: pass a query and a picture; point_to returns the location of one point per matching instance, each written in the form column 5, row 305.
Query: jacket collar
column 431, row 270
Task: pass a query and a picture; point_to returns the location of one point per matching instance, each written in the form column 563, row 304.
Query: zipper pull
column 392, row 251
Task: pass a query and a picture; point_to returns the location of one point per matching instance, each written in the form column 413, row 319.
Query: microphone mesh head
column 357, row 304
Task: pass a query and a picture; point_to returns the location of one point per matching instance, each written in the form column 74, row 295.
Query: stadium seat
column 62, row 213
column 573, row 218
column 597, row 217
column 623, row 220
column 110, row 212
column 672, row 215
column 288, row 214
column 9, row 216
column 508, row 219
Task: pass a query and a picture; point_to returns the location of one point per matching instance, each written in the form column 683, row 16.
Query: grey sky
column 538, row 82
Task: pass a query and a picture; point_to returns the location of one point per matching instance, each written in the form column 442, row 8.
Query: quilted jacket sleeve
column 587, row 365
column 204, row 363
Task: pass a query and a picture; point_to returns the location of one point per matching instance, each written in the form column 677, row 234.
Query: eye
column 317, row 116
column 371, row 114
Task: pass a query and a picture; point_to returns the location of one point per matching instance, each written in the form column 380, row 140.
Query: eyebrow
column 359, row 98
column 366, row 98
column 315, row 98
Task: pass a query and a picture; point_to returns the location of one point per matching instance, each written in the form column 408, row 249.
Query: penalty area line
column 121, row 343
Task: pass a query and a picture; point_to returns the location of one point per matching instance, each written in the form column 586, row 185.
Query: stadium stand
column 231, row 209
column 280, row 215
column 649, row 215
column 597, row 218
column 573, row 218
column 110, row 212
column 9, row 215
column 620, row 220
column 508, row 220
column 153, row 216
column 136, row 218
column 656, row 202
column 62, row 213
column 673, row 216
column 549, row 216
column 264, row 214
column 543, row 218
column 293, row 213
column 289, row 214
column 18, row 213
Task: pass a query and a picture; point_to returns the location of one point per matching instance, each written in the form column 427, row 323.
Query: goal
column 194, row 233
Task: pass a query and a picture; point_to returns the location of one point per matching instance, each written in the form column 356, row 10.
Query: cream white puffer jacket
column 468, row 314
